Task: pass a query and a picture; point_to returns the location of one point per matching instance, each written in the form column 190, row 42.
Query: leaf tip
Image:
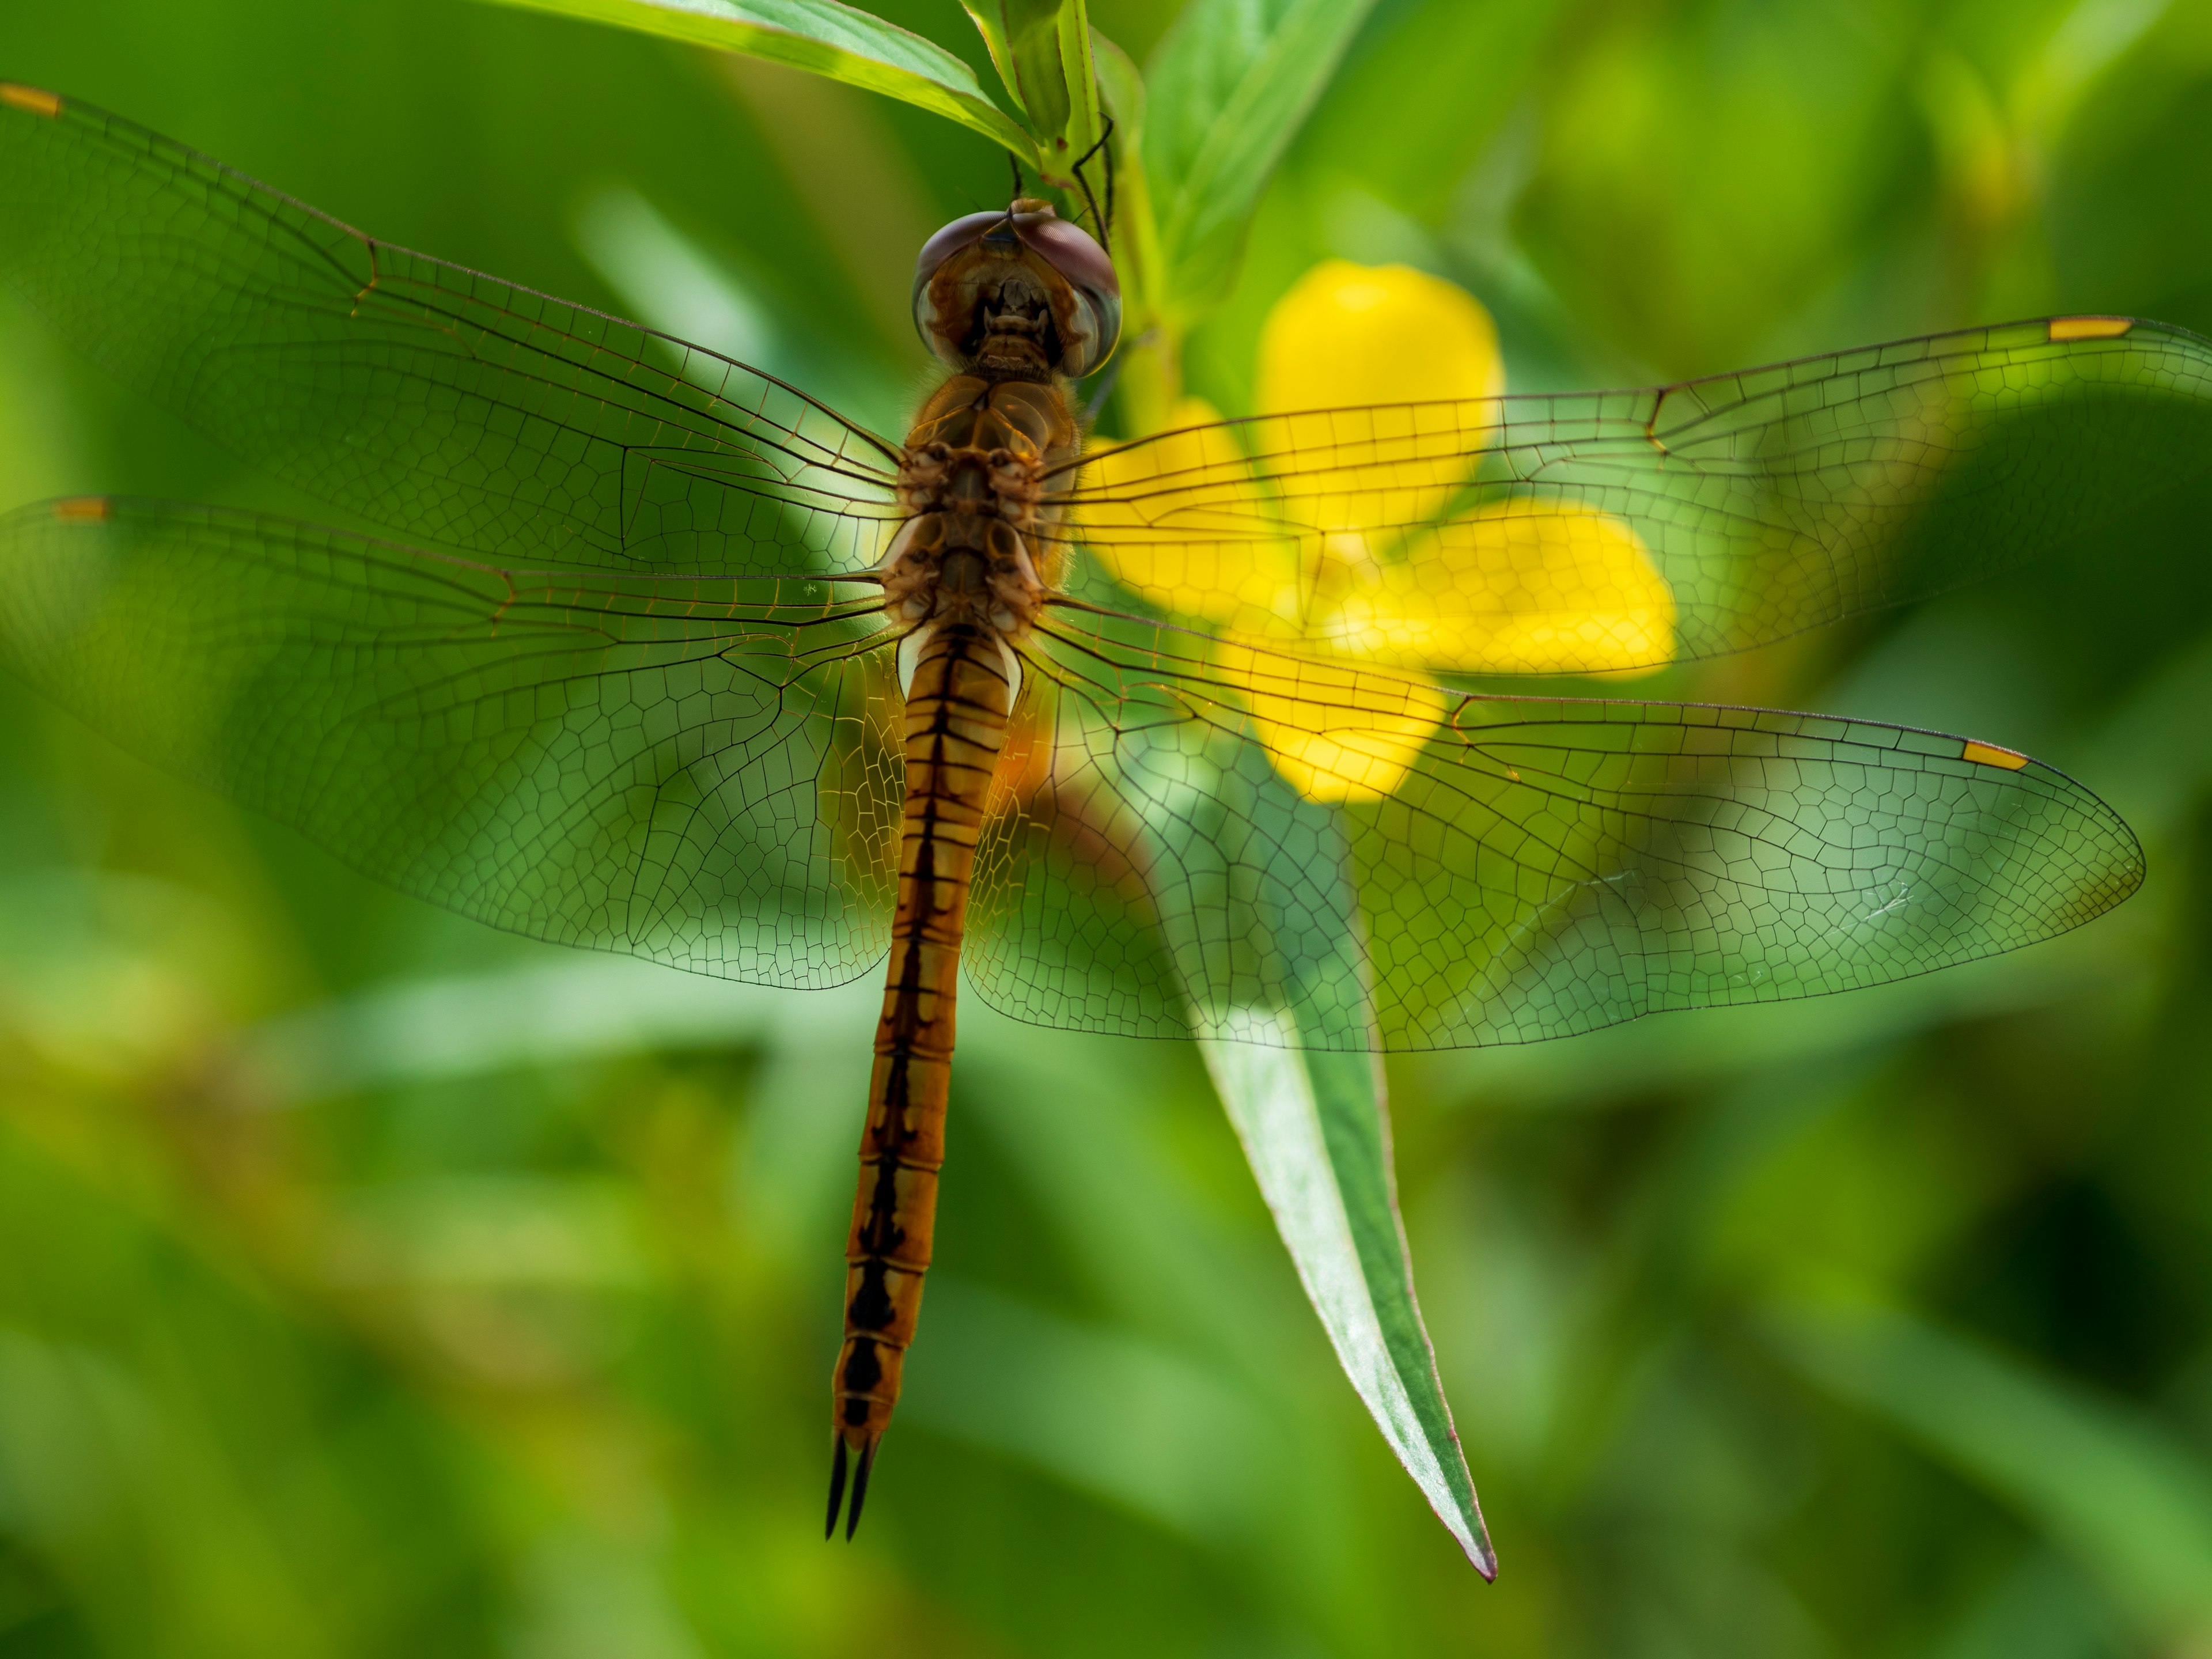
column 1482, row 1554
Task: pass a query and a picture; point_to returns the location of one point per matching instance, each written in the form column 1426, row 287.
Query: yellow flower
column 1299, row 537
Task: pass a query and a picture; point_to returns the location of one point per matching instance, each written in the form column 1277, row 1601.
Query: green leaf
column 1229, row 87
column 1041, row 49
column 985, row 15
column 1073, row 52
column 1314, row 1127
column 2131, row 1504
column 1304, row 1091
column 822, row 38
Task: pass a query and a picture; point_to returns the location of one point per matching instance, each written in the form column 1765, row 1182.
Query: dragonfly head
column 1019, row 295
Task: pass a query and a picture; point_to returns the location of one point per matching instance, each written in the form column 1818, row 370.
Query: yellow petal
column 1347, row 335
column 1407, row 367
column 1530, row 587
column 1335, row 731
column 1180, row 519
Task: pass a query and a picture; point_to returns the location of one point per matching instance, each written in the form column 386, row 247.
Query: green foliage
column 1315, row 1132
column 822, row 38
column 2128, row 1501
column 1226, row 93
column 1041, row 49
column 377, row 1283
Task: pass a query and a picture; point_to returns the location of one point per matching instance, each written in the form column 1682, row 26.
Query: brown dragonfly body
column 960, row 578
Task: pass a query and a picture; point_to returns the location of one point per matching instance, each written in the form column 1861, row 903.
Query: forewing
column 1488, row 535
column 1544, row 866
column 694, row 769
column 452, row 407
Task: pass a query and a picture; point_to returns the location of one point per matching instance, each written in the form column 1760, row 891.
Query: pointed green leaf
column 1229, row 87
column 2130, row 1502
column 822, row 38
column 1293, row 1063
column 985, row 14
column 987, row 17
column 1315, row 1132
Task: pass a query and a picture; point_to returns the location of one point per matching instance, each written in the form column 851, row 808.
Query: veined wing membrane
column 1541, row 867
column 696, row 770
column 704, row 771
column 452, row 407
column 1479, row 535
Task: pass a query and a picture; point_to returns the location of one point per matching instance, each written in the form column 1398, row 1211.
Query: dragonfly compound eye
column 1017, row 292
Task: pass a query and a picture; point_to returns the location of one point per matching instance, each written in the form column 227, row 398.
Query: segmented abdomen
column 955, row 724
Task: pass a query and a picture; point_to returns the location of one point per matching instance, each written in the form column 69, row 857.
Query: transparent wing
column 696, row 769
column 451, row 407
column 706, row 771
column 703, row 768
column 1615, row 529
column 1518, row 868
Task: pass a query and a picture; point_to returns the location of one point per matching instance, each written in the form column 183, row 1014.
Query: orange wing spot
column 2090, row 328
column 1988, row 754
column 30, row 98
column 81, row 509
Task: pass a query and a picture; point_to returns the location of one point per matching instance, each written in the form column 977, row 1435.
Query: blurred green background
column 372, row 1283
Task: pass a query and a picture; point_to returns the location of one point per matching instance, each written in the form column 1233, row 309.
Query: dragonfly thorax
column 973, row 484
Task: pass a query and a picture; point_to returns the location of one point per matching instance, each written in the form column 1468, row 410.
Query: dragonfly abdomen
column 955, row 724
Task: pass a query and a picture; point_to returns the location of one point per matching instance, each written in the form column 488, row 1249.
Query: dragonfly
column 655, row 653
